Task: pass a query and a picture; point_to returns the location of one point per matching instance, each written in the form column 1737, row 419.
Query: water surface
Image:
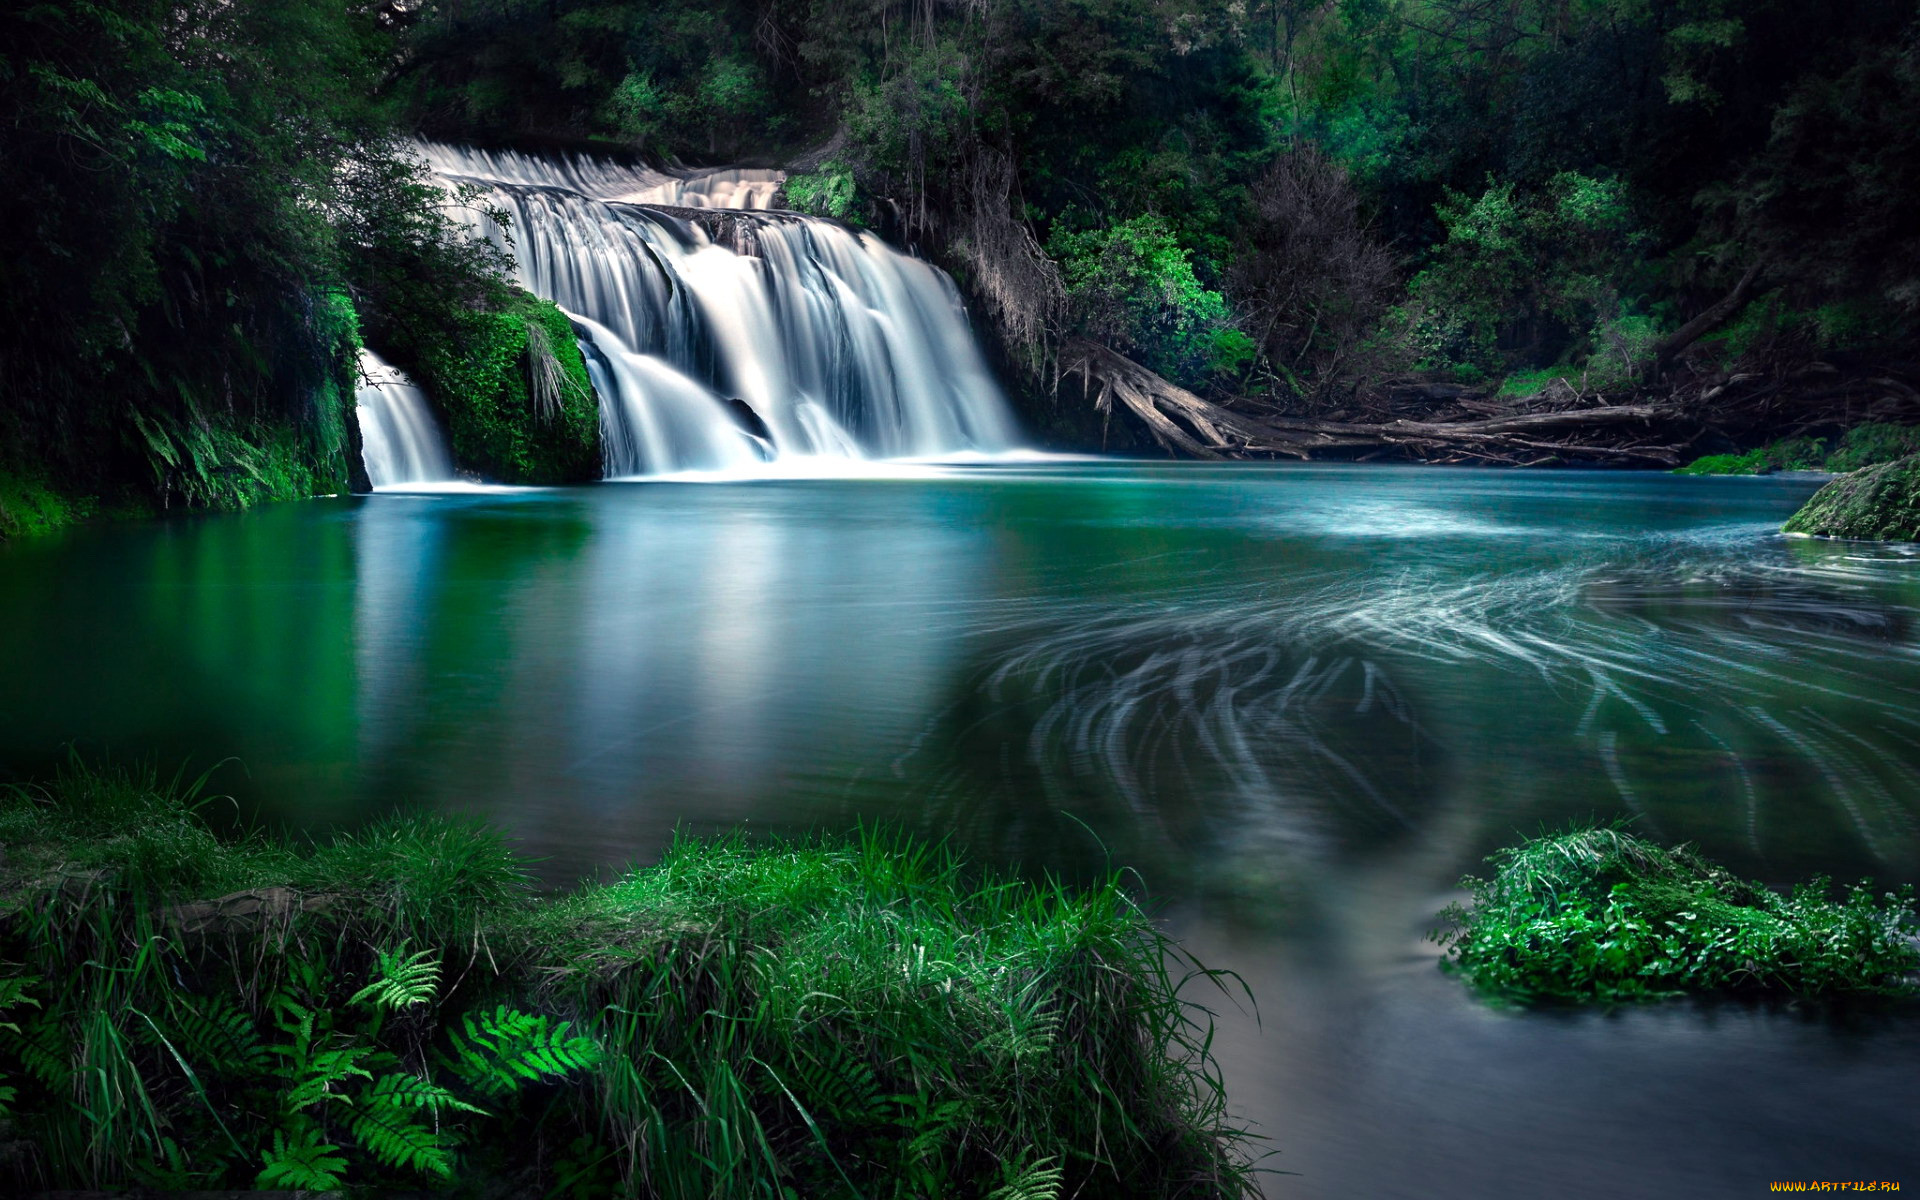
column 1299, row 701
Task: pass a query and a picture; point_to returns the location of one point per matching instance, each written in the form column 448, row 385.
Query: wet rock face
column 1878, row 504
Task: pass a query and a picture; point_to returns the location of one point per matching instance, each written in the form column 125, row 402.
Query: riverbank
column 399, row 1007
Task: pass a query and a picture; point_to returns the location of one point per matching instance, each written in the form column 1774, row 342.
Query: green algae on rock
column 1875, row 504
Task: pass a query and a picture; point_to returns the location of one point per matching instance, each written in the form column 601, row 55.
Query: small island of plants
column 399, row 1008
column 1601, row 916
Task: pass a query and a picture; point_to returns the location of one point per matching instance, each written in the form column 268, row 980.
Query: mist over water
column 1299, row 702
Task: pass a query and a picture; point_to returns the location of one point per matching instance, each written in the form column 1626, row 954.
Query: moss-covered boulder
column 1878, row 503
column 512, row 387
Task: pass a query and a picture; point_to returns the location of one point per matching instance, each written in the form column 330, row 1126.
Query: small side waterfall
column 400, row 442
column 797, row 338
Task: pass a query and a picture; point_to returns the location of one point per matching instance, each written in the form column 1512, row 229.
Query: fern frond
column 44, row 1050
column 841, row 1087
column 13, row 993
column 317, row 1078
column 392, row 1136
column 508, row 1048
column 1036, row 1180
column 404, row 980
column 301, row 1162
column 219, row 1037
column 413, row 1092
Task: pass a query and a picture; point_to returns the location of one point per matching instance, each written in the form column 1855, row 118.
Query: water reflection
column 1300, row 702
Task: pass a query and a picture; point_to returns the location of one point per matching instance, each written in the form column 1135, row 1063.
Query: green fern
column 413, row 1092
column 1039, row 1179
column 841, row 1088
column 404, row 981
column 508, row 1048
column 219, row 1037
column 389, row 1132
column 314, row 1068
column 45, row 1051
column 13, row 993
column 302, row 1162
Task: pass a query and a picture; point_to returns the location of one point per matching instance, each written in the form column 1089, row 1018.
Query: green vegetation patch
column 29, row 507
column 1862, row 446
column 398, row 1007
column 513, row 388
column 1600, row 916
column 1879, row 504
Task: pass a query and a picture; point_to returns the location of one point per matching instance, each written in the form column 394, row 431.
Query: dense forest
column 1213, row 227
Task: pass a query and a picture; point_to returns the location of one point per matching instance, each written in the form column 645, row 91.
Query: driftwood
column 1185, row 423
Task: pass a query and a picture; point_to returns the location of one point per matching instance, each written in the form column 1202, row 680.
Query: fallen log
column 1184, row 423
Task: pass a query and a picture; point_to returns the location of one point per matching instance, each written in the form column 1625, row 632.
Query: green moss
column 1597, row 915
column 836, row 1017
column 513, row 389
column 29, row 507
column 1879, row 503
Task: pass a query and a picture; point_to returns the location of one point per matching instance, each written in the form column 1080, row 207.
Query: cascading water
column 399, row 440
column 801, row 339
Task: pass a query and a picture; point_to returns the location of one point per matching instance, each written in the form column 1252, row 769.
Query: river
column 1299, row 701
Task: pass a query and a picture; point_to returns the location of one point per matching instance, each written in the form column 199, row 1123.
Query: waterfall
column 399, row 441
column 790, row 337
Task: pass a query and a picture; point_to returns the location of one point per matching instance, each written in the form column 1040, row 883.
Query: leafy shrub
column 1132, row 285
column 827, row 192
column 1525, row 277
column 1598, row 915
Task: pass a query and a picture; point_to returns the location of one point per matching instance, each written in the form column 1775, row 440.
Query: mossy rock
column 1874, row 504
column 512, row 387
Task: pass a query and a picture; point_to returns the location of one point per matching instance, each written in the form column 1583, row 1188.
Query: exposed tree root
column 1185, row 423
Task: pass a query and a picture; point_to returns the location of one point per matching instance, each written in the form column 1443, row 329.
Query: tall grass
column 841, row 1018
column 1599, row 915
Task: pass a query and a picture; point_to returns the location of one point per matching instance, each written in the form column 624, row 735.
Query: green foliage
column 1133, row 285
column 826, row 192
column 506, row 1049
column 1862, row 446
column 513, row 389
column 1523, row 277
column 1597, row 915
column 814, row 1019
column 727, row 95
column 28, row 507
column 170, row 333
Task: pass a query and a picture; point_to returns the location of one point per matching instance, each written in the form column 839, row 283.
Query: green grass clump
column 1601, row 916
column 1875, row 504
column 398, row 1007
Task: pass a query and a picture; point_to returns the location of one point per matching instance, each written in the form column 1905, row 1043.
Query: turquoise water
column 1299, row 701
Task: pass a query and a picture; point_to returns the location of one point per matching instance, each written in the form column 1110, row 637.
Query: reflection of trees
column 448, row 602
